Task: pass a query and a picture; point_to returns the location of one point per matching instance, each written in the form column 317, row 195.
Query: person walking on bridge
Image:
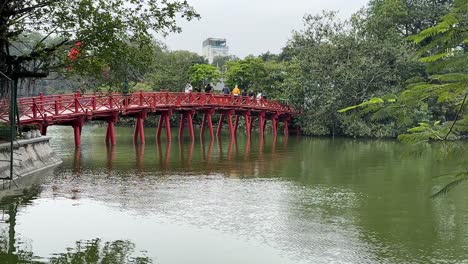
column 236, row 91
column 226, row 90
column 208, row 88
column 188, row 87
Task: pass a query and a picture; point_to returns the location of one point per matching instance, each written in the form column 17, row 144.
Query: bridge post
column 236, row 125
column 43, row 128
column 56, row 107
column 186, row 115
column 93, row 103
column 230, row 113
column 220, row 125
column 110, row 132
column 41, row 96
column 274, row 125
column 160, row 125
column 261, row 123
column 139, row 133
column 77, row 126
column 34, row 108
column 286, row 129
column 168, row 126
column 181, row 126
column 207, row 118
column 226, row 114
column 248, row 124
column 76, row 102
column 190, row 124
column 164, row 120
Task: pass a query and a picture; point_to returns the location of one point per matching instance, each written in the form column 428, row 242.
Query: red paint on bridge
column 75, row 109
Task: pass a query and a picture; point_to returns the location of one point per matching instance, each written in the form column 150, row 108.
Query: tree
column 444, row 48
column 404, row 17
column 170, row 69
column 340, row 63
column 200, row 74
column 247, row 74
column 101, row 27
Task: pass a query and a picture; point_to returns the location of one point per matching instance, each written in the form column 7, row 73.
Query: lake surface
column 289, row 200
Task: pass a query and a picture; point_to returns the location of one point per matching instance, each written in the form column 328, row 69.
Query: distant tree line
column 327, row 66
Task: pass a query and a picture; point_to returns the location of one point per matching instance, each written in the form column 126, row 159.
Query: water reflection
column 274, row 201
column 96, row 251
column 14, row 249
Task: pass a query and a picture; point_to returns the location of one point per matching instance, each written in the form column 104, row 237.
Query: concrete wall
column 30, row 157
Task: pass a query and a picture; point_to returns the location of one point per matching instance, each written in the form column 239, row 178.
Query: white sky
column 252, row 26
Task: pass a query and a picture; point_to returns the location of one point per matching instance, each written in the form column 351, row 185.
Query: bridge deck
column 75, row 109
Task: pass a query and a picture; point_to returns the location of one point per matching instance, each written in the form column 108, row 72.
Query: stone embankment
column 31, row 157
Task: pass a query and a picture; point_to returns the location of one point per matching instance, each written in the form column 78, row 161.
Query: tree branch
column 456, row 117
column 30, row 8
column 35, row 54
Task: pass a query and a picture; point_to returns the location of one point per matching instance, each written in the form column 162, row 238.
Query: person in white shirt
column 188, row 88
column 259, row 96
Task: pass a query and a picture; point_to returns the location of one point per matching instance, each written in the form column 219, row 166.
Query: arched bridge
column 75, row 109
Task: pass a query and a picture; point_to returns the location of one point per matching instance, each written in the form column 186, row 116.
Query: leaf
column 434, row 57
column 372, row 101
column 448, row 187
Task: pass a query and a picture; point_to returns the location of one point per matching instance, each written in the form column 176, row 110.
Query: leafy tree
column 104, row 28
column 200, row 74
column 247, row 74
column 445, row 88
column 444, row 49
column 404, row 17
column 342, row 64
column 170, row 69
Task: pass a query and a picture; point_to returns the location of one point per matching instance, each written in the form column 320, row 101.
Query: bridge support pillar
column 286, row 127
column 274, row 125
column 189, row 117
column 261, row 124
column 43, row 128
column 77, row 127
column 248, row 124
column 207, row 118
column 110, row 133
column 164, row 120
column 236, row 125
column 220, row 125
column 139, row 132
column 228, row 115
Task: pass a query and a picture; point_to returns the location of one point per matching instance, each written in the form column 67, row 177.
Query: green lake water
column 289, row 200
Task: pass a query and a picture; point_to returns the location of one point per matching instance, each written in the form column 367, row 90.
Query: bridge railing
column 44, row 107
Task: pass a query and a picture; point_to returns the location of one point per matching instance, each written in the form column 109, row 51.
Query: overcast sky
column 252, row 26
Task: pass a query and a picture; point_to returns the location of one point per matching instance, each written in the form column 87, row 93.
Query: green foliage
column 116, row 36
column 170, row 69
column 449, row 87
column 338, row 68
column 201, row 74
column 94, row 251
column 403, row 17
column 247, row 73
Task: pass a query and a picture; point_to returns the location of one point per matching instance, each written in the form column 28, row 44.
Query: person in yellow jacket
column 236, row 91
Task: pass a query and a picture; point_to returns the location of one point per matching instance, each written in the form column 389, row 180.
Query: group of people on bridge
column 188, row 88
column 236, row 91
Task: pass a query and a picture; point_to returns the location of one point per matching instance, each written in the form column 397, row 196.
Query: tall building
column 214, row 47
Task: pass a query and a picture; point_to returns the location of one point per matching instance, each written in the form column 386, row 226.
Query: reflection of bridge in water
column 75, row 109
column 230, row 158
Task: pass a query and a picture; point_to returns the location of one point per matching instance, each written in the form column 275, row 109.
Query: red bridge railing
column 74, row 108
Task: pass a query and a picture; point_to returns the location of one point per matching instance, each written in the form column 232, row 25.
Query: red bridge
column 75, row 109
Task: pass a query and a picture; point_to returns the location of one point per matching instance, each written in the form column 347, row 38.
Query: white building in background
column 214, row 47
